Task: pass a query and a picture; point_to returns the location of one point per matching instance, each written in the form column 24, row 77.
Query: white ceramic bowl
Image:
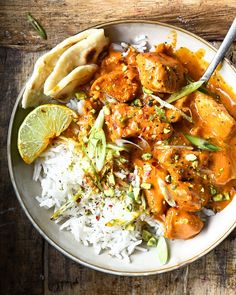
column 182, row 252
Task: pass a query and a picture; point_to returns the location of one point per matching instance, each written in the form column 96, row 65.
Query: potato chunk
column 160, row 72
column 181, row 224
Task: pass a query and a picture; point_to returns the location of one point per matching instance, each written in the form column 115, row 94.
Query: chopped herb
column 96, row 148
column 213, row 190
column 226, row 196
column 152, row 242
column 137, row 102
column 67, row 205
column 80, row 95
column 130, row 227
column 146, row 235
column 145, row 90
column 146, row 156
column 218, row 198
column 161, row 114
column 186, row 90
column 201, row 143
column 37, row 26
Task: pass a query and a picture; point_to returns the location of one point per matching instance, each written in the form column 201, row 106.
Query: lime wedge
column 39, row 128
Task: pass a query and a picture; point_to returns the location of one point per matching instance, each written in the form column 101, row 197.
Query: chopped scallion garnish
column 202, row 143
column 162, row 250
column 186, row 90
column 64, row 207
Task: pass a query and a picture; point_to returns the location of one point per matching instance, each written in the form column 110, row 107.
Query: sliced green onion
column 146, row 156
column 152, row 242
column 148, row 91
column 37, row 26
column 146, row 235
column 201, row 143
column 161, row 114
column 162, row 251
column 67, row 205
column 218, row 198
column 80, row 95
column 186, row 90
column 166, row 193
column 96, row 181
column 96, row 148
column 226, row 196
column 101, row 151
column 203, row 89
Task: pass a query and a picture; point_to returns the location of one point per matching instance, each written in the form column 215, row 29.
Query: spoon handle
column 228, row 40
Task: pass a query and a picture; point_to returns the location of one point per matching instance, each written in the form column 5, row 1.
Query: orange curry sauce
column 190, row 177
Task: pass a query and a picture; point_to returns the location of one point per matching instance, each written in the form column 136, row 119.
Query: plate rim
column 55, row 244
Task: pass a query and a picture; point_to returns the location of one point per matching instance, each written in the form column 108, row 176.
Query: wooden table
column 28, row 265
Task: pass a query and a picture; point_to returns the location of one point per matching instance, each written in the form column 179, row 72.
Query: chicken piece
column 121, row 85
column 214, row 119
column 160, row 72
column 155, row 198
column 181, row 224
column 222, row 167
column 186, row 183
column 126, row 121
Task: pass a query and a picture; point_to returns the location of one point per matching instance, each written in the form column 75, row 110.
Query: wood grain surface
column 209, row 19
column 28, row 265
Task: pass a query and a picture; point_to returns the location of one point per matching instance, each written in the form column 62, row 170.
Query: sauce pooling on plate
column 186, row 154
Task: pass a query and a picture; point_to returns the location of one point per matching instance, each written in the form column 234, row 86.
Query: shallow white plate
column 182, row 252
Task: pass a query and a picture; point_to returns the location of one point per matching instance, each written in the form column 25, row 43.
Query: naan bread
column 78, row 76
column 33, row 94
column 67, row 69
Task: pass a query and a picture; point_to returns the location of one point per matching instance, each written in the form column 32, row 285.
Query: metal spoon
column 193, row 86
column 228, row 40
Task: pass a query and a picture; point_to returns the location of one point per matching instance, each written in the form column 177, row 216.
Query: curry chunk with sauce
column 181, row 177
column 126, row 121
column 181, row 224
column 160, row 72
column 120, row 85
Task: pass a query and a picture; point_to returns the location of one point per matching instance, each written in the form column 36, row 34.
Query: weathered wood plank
column 21, row 266
column 213, row 274
column 64, row 18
